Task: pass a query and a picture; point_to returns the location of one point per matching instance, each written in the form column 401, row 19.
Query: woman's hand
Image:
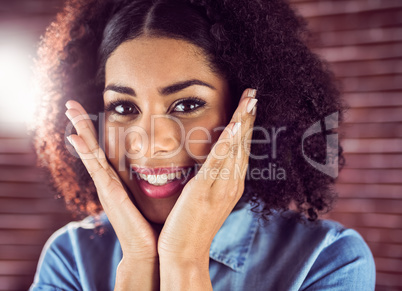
column 205, row 203
column 140, row 265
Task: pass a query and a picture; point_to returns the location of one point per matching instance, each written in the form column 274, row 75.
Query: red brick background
column 362, row 40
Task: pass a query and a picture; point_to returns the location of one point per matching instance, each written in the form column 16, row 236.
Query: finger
column 245, row 114
column 71, row 104
column 230, row 139
column 102, row 179
column 240, row 121
column 90, row 161
column 245, row 139
column 112, row 196
column 244, row 118
column 109, row 187
column 116, row 203
column 219, row 152
column 235, row 166
column 81, row 123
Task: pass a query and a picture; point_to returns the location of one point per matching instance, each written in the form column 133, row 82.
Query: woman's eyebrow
column 176, row 87
column 171, row 89
column 120, row 89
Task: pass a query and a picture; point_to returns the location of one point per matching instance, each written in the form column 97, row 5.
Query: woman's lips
column 167, row 190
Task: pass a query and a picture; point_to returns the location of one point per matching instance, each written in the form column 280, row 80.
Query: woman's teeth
column 163, row 179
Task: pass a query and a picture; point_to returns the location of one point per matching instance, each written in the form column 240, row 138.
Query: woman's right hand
column 137, row 237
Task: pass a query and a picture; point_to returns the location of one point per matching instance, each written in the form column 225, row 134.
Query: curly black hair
column 258, row 44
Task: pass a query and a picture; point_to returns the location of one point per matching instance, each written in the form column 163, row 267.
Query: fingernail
column 67, row 105
column 68, row 114
column 70, row 140
column 251, row 93
column 254, row 110
column 251, row 105
column 235, row 128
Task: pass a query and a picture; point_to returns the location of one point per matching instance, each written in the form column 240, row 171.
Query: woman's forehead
column 158, row 62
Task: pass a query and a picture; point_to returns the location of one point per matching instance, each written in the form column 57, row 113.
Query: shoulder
column 343, row 259
column 72, row 253
column 322, row 254
column 287, row 253
column 79, row 234
column 321, row 233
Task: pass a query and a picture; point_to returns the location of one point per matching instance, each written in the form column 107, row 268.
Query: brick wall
column 362, row 40
column 29, row 214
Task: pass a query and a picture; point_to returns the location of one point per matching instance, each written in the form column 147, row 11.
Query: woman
column 181, row 163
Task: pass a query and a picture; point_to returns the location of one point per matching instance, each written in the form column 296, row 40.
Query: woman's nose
column 156, row 136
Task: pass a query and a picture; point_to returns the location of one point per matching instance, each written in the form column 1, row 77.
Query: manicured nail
column 70, row 140
column 251, row 105
column 235, row 128
column 254, row 110
column 68, row 114
column 251, row 93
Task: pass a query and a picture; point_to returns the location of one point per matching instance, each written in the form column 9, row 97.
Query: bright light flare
column 17, row 100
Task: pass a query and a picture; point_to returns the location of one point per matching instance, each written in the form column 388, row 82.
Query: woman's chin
column 157, row 219
column 157, row 211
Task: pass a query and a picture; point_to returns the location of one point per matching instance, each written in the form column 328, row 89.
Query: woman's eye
column 122, row 108
column 188, row 105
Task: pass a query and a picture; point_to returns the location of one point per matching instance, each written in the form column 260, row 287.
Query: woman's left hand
column 205, row 203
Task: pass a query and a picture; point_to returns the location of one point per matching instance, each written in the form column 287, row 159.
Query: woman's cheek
column 201, row 137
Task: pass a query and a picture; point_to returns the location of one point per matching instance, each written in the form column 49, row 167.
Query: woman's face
column 165, row 108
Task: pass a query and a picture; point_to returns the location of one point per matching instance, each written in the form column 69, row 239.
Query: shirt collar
column 231, row 245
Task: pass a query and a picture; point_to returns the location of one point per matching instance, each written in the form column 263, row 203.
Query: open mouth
column 163, row 179
column 162, row 182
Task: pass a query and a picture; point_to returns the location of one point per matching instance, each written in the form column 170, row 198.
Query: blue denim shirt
column 246, row 254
